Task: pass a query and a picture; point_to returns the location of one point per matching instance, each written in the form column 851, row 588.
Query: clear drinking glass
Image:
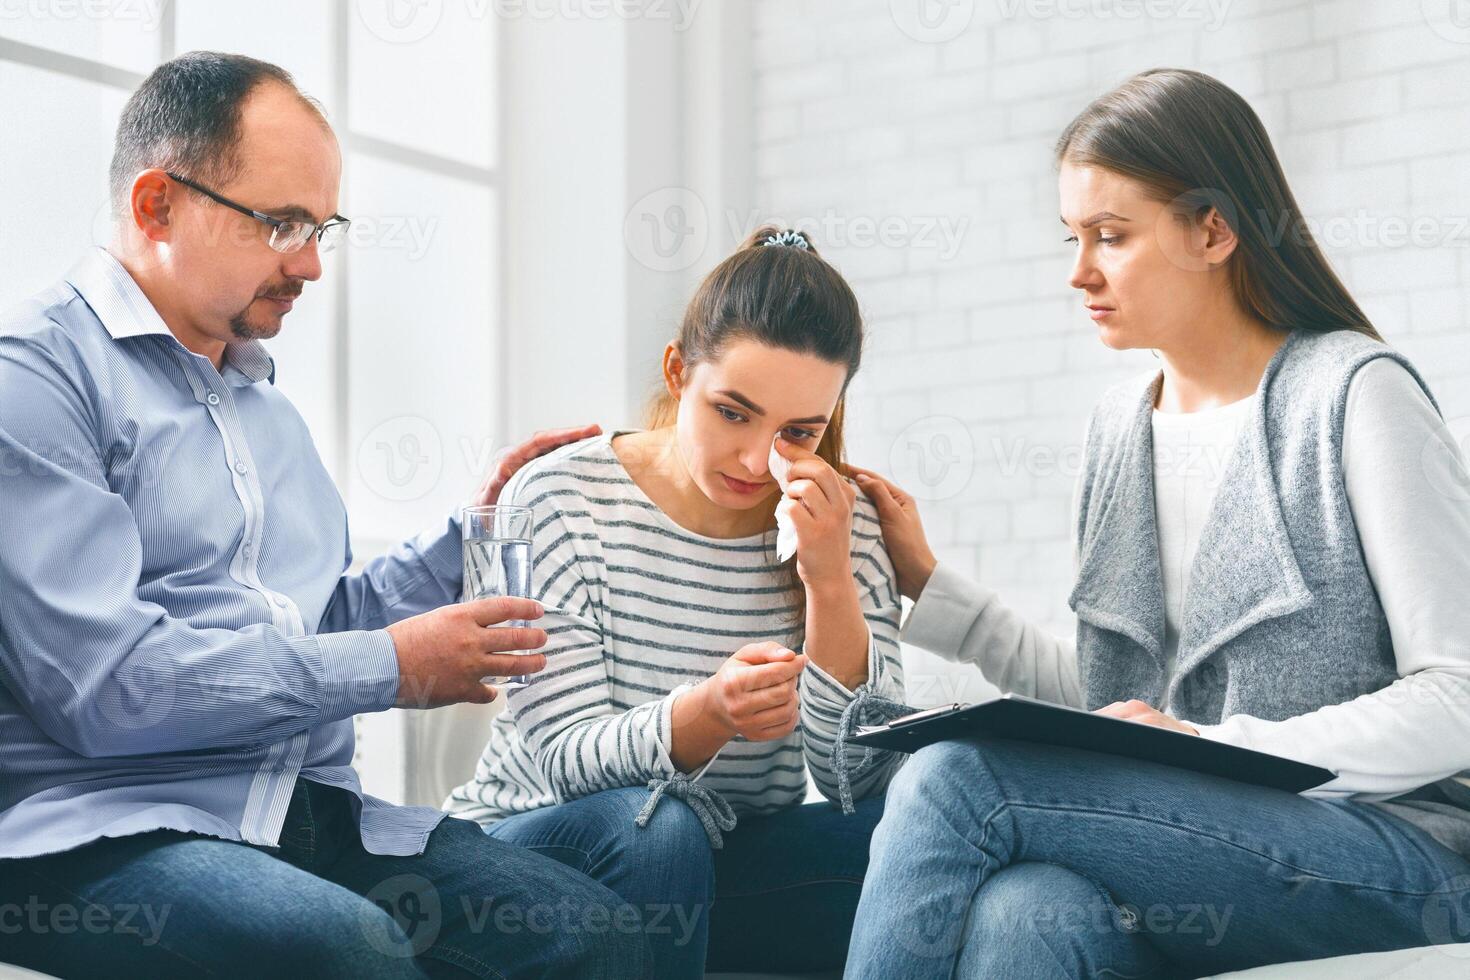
column 497, row 560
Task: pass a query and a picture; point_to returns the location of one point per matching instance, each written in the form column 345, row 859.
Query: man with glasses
column 181, row 649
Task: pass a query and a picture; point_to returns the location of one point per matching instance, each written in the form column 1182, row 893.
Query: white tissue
column 785, row 529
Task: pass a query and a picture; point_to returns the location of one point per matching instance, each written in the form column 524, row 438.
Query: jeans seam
column 204, row 971
column 310, row 826
column 459, row 957
column 586, row 855
column 1220, row 840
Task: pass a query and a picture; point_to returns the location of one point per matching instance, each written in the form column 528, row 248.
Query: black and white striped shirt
column 638, row 609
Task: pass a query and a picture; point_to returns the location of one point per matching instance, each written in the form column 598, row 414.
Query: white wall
column 914, row 112
column 617, row 125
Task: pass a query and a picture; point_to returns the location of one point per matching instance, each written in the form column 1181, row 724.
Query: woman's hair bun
column 778, row 237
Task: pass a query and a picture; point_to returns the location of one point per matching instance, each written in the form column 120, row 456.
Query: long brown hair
column 777, row 290
column 1194, row 142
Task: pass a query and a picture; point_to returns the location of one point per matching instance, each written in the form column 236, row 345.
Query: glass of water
column 497, row 560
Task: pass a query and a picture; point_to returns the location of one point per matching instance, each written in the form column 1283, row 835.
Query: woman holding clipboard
column 1301, row 593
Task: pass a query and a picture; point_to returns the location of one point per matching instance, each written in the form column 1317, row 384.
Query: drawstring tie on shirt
column 710, row 807
column 868, row 707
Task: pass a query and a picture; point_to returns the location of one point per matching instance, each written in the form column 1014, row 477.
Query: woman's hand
column 823, row 518
column 508, row 461
column 1139, row 711
column 903, row 532
column 754, row 692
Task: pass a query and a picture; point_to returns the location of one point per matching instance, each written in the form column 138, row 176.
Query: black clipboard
column 1026, row 719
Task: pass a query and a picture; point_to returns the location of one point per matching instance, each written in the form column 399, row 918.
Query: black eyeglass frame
column 276, row 224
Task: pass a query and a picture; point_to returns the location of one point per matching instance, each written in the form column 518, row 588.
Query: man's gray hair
column 185, row 117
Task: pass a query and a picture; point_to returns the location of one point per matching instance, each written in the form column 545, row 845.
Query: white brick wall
column 1369, row 106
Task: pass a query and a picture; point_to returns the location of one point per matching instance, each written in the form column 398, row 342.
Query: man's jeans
column 778, row 897
column 165, row 903
column 1007, row 859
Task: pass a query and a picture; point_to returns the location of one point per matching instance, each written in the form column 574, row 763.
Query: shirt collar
column 119, row 303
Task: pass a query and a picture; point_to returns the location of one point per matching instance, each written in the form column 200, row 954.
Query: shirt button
column 247, row 550
column 213, row 399
column 279, row 600
column 241, row 468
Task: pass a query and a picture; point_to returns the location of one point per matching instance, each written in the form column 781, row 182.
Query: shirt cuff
column 359, row 672
column 826, row 687
column 661, row 734
column 1228, row 731
column 944, row 612
column 443, row 553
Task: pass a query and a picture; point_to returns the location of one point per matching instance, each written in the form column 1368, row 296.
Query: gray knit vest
column 1280, row 617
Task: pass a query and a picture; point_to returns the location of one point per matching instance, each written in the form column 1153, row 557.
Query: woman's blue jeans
column 1006, row 859
column 778, row 897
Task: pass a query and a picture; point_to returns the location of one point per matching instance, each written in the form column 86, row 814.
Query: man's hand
column 903, row 532
column 442, row 654
column 754, row 692
column 508, row 461
column 1145, row 714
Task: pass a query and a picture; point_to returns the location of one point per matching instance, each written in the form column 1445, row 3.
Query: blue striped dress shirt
column 179, row 638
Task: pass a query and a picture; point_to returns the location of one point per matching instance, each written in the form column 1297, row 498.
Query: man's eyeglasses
column 287, row 235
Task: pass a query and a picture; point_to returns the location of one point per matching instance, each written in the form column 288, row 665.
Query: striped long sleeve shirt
column 638, row 610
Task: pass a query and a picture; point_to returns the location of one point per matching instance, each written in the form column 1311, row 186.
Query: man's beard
column 243, row 329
